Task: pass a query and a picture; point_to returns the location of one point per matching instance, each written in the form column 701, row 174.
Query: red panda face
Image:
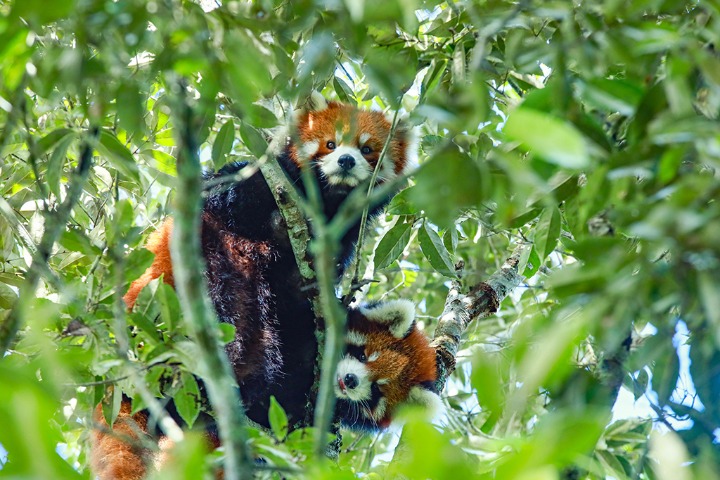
column 344, row 143
column 388, row 362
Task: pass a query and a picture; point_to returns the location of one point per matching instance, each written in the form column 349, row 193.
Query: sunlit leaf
column 554, row 140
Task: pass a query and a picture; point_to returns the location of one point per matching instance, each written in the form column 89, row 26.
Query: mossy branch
column 460, row 309
column 189, row 270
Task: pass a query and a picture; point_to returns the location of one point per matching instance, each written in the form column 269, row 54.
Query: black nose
column 351, row 381
column 346, row 162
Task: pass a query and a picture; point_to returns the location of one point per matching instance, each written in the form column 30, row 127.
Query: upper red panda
column 251, row 270
column 388, row 362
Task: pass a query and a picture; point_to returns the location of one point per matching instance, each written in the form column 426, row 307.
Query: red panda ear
column 408, row 134
column 397, row 315
column 315, row 102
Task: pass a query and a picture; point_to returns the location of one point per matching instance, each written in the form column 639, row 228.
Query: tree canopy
column 579, row 140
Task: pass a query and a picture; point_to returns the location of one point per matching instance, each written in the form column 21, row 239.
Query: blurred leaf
column 56, row 163
column 447, row 183
column 130, row 108
column 556, row 141
column 547, row 232
column 401, row 204
column 670, row 455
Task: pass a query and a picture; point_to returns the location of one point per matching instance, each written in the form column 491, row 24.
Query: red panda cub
column 388, row 362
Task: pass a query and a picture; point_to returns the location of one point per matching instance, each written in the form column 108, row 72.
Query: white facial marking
column 308, row 149
column 356, row 367
column 336, row 175
column 383, row 381
column 356, row 338
column 373, row 356
column 398, row 315
column 364, row 138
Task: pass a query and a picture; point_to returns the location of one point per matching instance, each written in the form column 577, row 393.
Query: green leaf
column 7, row 297
column 611, row 95
column 343, row 91
column 434, row 250
column 57, row 162
column 41, row 11
column 547, row 232
column 553, row 139
column 111, row 404
column 278, row 419
column 119, row 156
column 187, row 399
column 450, row 239
column 392, row 244
column 227, row 332
column 52, row 138
column 401, row 204
column 130, row 108
column 710, row 298
column 223, row 143
column 448, row 183
column 169, row 306
column 253, row 140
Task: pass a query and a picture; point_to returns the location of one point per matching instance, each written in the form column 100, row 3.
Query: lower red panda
column 388, row 362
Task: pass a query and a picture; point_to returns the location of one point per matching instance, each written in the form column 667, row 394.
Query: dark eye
column 363, row 358
column 331, row 145
column 366, row 150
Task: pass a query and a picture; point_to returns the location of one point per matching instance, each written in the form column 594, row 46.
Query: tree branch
column 460, row 309
column 192, row 291
column 54, row 226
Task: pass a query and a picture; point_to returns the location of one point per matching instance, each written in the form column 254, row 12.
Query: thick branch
column 54, row 226
column 188, row 269
column 460, row 309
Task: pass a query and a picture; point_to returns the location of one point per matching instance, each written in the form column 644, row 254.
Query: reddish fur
column 321, row 126
column 119, row 455
column 158, row 243
column 113, row 457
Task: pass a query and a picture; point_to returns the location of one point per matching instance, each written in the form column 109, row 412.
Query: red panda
column 250, row 267
column 253, row 279
column 388, row 362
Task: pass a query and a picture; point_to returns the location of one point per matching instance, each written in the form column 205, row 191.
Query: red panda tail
column 117, row 454
column 159, row 244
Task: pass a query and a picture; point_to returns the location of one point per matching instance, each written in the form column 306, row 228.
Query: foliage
column 585, row 130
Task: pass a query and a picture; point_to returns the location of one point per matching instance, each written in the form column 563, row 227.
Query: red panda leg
column 114, row 455
column 159, row 244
